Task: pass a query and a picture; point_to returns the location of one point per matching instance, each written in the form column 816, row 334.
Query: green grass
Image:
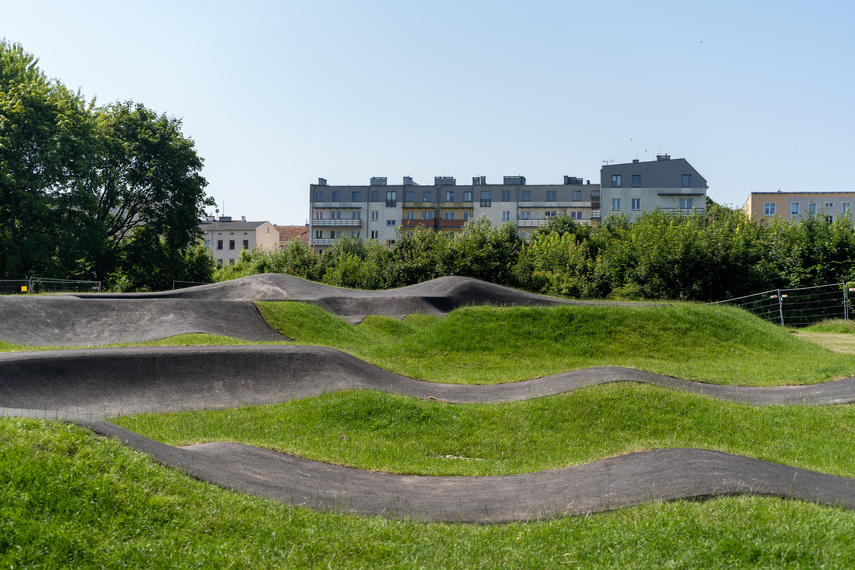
column 384, row 432
column 832, row 326
column 488, row 345
column 72, row 500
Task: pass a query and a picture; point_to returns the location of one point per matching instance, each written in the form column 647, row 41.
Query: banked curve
column 110, row 382
column 617, row 482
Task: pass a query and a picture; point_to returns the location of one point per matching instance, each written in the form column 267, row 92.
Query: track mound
column 109, row 382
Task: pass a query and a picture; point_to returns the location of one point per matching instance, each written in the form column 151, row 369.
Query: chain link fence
column 35, row 285
column 799, row 307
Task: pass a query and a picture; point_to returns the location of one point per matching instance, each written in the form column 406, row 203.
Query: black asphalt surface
column 227, row 309
column 86, row 386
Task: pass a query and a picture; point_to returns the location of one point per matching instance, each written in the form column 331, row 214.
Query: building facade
column 377, row 210
column 765, row 206
column 669, row 184
column 226, row 238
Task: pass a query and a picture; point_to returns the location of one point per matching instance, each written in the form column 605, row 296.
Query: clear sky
column 756, row 95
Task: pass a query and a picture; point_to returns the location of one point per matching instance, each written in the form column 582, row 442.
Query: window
column 506, row 216
column 319, row 234
column 615, row 204
column 448, row 215
column 615, row 180
column 375, row 234
column 354, row 234
column 577, row 195
column 231, row 262
column 356, row 196
column 219, row 263
column 846, row 206
column 391, row 199
column 551, row 195
column 812, row 208
column 333, row 234
column 426, row 196
column 794, row 208
column 319, row 214
column 427, row 215
column 449, row 196
column 219, row 244
column 636, row 203
column 375, row 215
column 319, row 196
column 687, row 181
column 356, row 215
column 829, row 205
column 636, row 180
column 486, row 199
column 467, row 215
column 246, row 244
column 336, row 196
column 685, row 203
column 390, row 223
column 525, row 215
column 467, row 195
column 335, row 215
column 409, row 196
column 526, row 196
column 576, row 215
column 231, row 244
column 410, row 215
column 769, row 209
column 375, row 195
column 506, row 195
column 548, row 215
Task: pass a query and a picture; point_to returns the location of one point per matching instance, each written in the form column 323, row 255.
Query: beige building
column 226, row 238
column 764, row 206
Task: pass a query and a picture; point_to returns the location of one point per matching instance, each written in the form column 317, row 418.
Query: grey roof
column 230, row 226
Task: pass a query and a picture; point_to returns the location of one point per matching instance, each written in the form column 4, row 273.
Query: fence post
column 780, row 306
column 845, row 301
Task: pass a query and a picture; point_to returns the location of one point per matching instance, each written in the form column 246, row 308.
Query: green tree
column 150, row 194
column 47, row 150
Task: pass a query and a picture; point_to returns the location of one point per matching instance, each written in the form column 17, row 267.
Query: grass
column 69, row 499
column 839, row 326
column 384, row 432
column 486, row 345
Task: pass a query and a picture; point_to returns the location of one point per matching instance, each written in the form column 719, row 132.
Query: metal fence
column 47, row 285
column 800, row 307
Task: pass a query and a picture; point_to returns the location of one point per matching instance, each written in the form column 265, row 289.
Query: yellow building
column 765, row 206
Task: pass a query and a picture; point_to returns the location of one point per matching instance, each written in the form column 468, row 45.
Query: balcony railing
column 322, row 242
column 452, row 223
column 418, row 223
column 337, row 223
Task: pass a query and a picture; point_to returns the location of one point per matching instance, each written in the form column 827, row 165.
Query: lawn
column 71, row 499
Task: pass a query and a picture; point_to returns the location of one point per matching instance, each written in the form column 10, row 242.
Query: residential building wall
column 765, row 206
column 377, row 210
column 672, row 185
column 226, row 238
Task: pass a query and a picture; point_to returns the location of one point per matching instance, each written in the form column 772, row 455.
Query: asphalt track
column 227, row 309
column 87, row 386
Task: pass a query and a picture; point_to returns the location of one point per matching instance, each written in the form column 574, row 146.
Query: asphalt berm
column 90, row 386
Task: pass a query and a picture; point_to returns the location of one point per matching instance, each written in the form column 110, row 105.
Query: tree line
column 716, row 256
column 111, row 192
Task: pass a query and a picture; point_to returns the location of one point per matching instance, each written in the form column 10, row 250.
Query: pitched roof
column 293, row 232
column 239, row 226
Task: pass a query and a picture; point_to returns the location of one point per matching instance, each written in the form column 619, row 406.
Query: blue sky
column 757, row 96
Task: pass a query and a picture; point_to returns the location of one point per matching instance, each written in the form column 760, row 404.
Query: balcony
column 447, row 224
column 418, row 224
column 336, row 223
column 684, row 211
column 338, row 205
column 322, row 242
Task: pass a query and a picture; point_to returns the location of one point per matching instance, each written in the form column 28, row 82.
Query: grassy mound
column 488, row 345
column 71, row 500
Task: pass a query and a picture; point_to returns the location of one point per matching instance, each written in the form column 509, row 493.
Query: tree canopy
column 112, row 192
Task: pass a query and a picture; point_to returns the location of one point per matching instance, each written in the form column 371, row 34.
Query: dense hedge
column 659, row 256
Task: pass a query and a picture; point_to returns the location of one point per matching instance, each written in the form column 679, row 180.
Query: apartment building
column 376, row 210
column 669, row 184
column 764, row 206
column 226, row 238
